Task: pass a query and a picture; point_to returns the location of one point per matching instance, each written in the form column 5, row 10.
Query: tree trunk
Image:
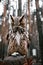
column 29, row 18
column 19, row 9
column 4, row 30
column 39, row 26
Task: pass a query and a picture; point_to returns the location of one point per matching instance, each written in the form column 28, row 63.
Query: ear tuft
column 12, row 18
column 21, row 18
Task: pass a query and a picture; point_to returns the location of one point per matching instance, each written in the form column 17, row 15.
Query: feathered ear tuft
column 12, row 18
column 22, row 21
column 21, row 18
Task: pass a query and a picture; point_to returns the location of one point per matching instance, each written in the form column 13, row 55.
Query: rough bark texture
column 39, row 25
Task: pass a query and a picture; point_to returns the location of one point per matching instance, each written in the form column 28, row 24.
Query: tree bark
column 29, row 18
column 39, row 26
column 19, row 10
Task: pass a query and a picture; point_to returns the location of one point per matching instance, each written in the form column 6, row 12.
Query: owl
column 18, row 40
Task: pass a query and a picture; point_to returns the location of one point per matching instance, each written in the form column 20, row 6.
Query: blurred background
column 33, row 11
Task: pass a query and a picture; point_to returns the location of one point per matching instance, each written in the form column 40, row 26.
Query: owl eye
column 21, row 30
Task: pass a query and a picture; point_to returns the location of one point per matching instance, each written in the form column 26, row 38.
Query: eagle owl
column 18, row 39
